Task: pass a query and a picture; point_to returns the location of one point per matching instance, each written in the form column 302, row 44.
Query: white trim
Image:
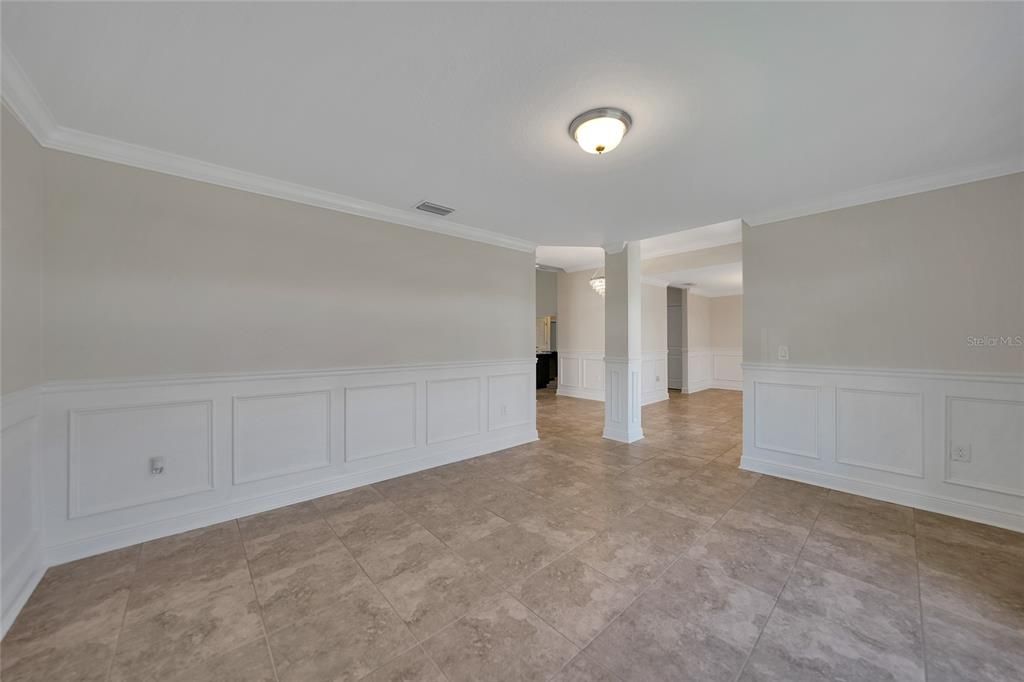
column 23, row 566
column 995, row 377
column 75, row 509
column 177, row 379
column 887, row 190
column 21, row 576
column 25, row 102
column 889, row 493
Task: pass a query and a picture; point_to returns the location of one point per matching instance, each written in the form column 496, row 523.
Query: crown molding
column 23, row 99
column 25, row 103
column 888, row 190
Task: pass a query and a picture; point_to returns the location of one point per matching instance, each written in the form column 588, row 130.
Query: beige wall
column 691, row 260
column 900, row 283
column 654, row 337
column 580, row 313
column 22, row 222
column 698, row 321
column 152, row 274
column 547, row 293
column 726, row 322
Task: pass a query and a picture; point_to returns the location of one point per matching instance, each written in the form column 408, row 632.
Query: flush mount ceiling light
column 597, row 284
column 599, row 131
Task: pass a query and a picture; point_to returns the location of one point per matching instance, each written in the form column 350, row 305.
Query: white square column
column 622, row 354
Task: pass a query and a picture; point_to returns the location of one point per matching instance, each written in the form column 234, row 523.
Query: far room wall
column 714, row 342
column 581, row 339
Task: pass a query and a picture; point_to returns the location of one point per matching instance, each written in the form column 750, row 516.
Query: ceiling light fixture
column 597, row 284
column 599, row 131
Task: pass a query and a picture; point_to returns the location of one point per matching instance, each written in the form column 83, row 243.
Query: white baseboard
column 21, row 575
column 909, row 498
column 891, row 434
column 581, row 393
column 21, row 546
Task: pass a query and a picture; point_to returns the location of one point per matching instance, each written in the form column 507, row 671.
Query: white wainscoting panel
column 698, row 369
column 593, row 373
column 994, row 432
column 242, row 444
column 505, row 398
column 713, row 368
column 21, row 545
column 581, row 374
column 654, row 377
column 881, row 430
column 109, row 452
column 379, row 420
column 282, row 434
column 453, row 409
column 892, row 435
column 786, row 418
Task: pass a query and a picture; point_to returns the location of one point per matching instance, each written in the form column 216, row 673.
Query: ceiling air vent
column 436, row 209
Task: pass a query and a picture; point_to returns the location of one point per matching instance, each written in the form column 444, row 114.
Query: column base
column 622, row 400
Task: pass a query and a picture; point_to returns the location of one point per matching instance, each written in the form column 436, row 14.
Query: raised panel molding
column 881, row 430
column 453, row 409
column 379, row 419
column 994, row 430
column 505, row 404
column 109, row 449
column 786, row 418
column 280, row 434
column 890, row 435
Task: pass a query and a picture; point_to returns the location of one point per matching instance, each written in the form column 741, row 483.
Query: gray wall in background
column 547, row 293
column 150, row 274
column 22, row 223
column 900, row 283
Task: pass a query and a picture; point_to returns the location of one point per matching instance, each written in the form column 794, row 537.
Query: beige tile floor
column 572, row 558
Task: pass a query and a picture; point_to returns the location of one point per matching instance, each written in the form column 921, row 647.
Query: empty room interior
column 270, row 272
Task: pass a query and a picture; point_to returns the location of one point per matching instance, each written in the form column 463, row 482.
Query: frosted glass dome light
column 599, row 131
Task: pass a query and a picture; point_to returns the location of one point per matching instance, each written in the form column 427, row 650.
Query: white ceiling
column 757, row 111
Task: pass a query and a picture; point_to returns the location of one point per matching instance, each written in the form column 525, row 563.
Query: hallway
column 572, row 558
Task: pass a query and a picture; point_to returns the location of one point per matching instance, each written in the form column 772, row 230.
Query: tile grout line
column 920, row 599
column 796, row 561
column 415, row 638
column 259, row 603
column 654, row 580
column 124, row 616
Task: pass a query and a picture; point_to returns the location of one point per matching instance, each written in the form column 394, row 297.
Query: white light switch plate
column 783, row 352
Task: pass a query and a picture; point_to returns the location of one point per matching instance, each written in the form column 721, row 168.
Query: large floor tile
column 707, row 598
column 645, row 643
column 345, row 642
column 293, row 593
column 959, row 648
column 629, row 558
column 185, row 634
column 510, row 554
column 442, row 589
column 810, row 647
column 574, row 598
column 412, row 666
column 501, row 640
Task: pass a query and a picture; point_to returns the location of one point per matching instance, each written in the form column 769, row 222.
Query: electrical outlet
column 504, row 410
column 960, row 453
column 783, row 352
column 156, row 466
